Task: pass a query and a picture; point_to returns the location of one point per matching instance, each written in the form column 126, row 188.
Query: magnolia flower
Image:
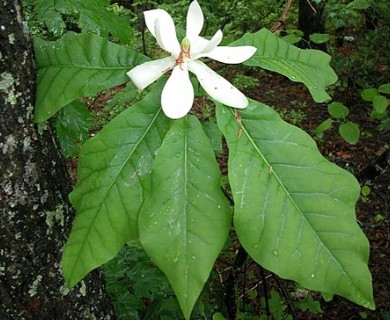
column 178, row 94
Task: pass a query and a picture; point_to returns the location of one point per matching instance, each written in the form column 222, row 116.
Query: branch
column 280, row 22
column 311, row 6
column 283, row 17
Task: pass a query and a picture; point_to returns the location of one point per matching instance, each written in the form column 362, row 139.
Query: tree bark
column 35, row 214
column 310, row 21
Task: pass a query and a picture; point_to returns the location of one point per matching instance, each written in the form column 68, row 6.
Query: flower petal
column 209, row 45
column 148, row 72
column 162, row 27
column 195, row 20
column 217, row 87
column 166, row 36
column 151, row 16
column 231, row 54
column 197, row 44
column 178, row 94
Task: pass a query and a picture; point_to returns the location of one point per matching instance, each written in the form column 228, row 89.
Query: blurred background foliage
column 361, row 23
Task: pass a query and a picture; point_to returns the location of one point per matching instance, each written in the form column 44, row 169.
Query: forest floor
column 368, row 160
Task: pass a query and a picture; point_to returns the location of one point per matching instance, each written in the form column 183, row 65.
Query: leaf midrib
column 289, row 196
column 186, row 203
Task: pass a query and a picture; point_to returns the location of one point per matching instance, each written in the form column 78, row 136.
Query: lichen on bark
column 35, row 213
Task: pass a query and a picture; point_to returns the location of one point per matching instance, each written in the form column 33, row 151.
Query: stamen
column 185, row 53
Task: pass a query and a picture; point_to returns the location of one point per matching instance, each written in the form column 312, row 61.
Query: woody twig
column 280, row 23
column 283, row 17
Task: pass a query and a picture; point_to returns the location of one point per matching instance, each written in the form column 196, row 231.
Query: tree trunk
column 35, row 214
column 310, row 21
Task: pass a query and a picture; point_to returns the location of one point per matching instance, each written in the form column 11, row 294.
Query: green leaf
column 358, row 4
column 91, row 16
column 310, row 67
column 292, row 38
column 72, row 127
column 380, row 103
column 49, row 14
column 309, row 304
column 385, row 124
column 97, row 19
column 294, row 210
column 185, row 221
column 378, row 217
column 212, row 131
column 297, row 32
column 323, row 126
column 78, row 65
column 384, row 88
column 276, row 305
column 366, row 191
column 350, row 132
column 218, row 316
column 369, row 94
column 376, row 115
column 327, row 296
column 319, row 37
column 338, row 110
column 122, row 98
column 113, row 171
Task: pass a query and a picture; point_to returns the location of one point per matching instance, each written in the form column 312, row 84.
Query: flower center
column 184, row 52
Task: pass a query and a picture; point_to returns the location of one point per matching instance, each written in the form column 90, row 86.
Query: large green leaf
column 78, row 65
column 72, row 127
column 310, row 67
column 294, row 210
column 91, row 16
column 113, row 168
column 184, row 223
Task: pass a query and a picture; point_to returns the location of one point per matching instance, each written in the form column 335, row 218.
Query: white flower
column 178, row 94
